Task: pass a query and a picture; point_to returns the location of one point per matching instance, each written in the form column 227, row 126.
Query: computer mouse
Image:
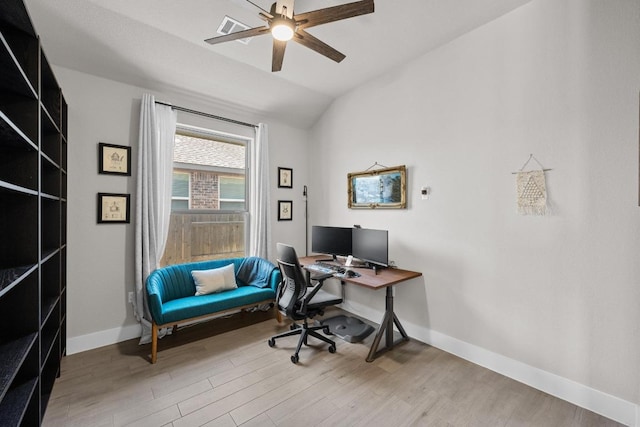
column 349, row 273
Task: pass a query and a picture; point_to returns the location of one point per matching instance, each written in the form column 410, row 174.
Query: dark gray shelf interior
column 15, row 405
column 11, row 276
column 18, row 223
column 12, row 354
column 15, row 16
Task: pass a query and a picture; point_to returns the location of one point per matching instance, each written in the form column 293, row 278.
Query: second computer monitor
column 371, row 246
column 334, row 241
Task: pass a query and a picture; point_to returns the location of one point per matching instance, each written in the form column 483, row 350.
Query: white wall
column 101, row 256
column 560, row 293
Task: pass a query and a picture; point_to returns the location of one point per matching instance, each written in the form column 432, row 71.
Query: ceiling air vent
column 230, row 25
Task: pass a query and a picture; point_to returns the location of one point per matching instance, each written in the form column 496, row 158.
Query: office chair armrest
column 321, row 277
column 314, row 289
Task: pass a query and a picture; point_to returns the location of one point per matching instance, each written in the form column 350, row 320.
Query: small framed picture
column 113, row 208
column 114, row 159
column 285, row 178
column 285, row 208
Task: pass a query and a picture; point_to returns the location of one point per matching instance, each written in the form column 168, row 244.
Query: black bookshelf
column 33, row 196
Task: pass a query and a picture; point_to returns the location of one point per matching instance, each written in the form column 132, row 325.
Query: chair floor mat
column 348, row 328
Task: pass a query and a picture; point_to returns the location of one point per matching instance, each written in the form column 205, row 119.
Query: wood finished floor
column 216, row 376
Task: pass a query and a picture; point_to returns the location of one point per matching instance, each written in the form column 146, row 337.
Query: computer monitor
column 334, row 241
column 371, row 246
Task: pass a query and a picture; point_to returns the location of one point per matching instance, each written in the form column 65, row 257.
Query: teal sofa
column 172, row 300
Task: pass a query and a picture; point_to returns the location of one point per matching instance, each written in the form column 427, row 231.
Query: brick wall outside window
column 205, row 190
column 205, row 193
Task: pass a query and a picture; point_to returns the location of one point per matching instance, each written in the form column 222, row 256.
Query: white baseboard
column 102, row 338
column 594, row 400
column 116, row 335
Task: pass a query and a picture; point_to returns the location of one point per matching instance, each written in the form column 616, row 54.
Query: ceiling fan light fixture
column 282, row 29
column 284, row 26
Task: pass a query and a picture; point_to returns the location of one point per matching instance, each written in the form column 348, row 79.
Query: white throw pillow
column 215, row 280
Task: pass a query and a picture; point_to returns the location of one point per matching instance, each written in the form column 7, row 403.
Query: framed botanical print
column 285, row 210
column 113, row 208
column 285, row 178
column 114, row 159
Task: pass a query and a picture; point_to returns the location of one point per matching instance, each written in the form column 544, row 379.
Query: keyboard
column 326, row 268
column 332, row 267
column 319, row 269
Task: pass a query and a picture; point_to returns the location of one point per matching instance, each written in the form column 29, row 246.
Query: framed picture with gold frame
column 379, row 188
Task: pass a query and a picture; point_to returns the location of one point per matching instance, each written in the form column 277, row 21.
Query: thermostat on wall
column 424, row 192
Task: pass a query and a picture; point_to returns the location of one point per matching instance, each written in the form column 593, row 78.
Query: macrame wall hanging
column 531, row 189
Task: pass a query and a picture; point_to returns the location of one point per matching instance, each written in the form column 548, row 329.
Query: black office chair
column 300, row 300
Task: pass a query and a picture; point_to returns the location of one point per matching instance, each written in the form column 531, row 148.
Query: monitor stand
column 348, row 328
column 373, row 267
column 334, row 259
column 377, row 268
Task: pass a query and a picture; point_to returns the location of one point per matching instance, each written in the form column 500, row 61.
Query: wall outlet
column 130, row 297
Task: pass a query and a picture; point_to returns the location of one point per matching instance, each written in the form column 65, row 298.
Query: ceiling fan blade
column 252, row 32
column 278, row 55
column 336, row 13
column 307, row 40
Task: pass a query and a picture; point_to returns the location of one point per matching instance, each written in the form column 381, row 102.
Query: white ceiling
column 159, row 44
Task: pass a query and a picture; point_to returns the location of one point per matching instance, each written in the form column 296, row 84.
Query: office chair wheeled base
column 304, row 331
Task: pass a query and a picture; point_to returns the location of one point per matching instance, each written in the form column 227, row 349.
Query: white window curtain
column 153, row 200
column 259, row 211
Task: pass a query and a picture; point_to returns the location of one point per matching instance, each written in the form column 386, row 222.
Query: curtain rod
column 211, row 116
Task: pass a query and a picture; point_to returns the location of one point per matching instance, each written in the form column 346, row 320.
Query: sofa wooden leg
column 154, row 342
column 278, row 316
column 174, row 330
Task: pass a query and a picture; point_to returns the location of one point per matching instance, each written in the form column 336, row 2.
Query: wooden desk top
column 368, row 278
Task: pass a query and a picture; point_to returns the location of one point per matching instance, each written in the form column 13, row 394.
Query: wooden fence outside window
column 204, row 236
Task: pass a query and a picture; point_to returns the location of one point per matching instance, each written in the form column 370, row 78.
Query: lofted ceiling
column 159, row 44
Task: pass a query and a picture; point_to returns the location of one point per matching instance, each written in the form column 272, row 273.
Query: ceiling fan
column 284, row 25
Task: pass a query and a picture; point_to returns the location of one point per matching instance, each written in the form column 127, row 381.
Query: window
column 208, row 199
column 180, row 191
column 232, row 191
